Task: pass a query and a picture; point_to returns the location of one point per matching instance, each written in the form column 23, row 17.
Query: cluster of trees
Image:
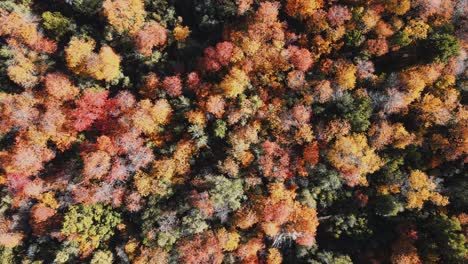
column 233, row 131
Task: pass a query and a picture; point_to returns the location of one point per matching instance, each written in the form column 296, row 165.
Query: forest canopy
column 233, row 131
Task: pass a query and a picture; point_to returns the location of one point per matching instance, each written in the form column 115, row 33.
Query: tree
column 225, row 192
column 87, row 7
column 125, row 15
column 248, row 251
column 296, row 79
column 152, row 35
column 404, row 251
column 311, row 154
column 218, row 56
column 305, row 222
column 355, row 226
column 8, row 238
column 326, row 257
column 377, row 47
column 90, row 107
column 27, row 158
column 102, row 257
column 181, row 33
column 275, row 161
column 345, row 75
column 41, row 213
column 152, row 255
column 172, row 85
column 338, row 14
column 148, row 116
column 434, row 110
column 325, row 185
column 354, row 38
column 300, row 58
column 220, row 128
column 303, row 8
column 57, row 23
column 146, row 184
column 386, row 205
column 323, row 91
column 105, row 66
column 229, row 240
column 77, row 53
column 441, row 236
column 442, row 46
column 215, row 105
column 90, row 225
column 398, row 7
column 82, row 60
column 422, row 189
column 60, row 87
column 415, row 30
column 235, row 83
column 18, row 111
column 356, row 109
column 7, row 255
column 274, row 256
column 202, row 248
column 194, row 222
column 96, row 165
column 354, row 158
column 20, row 27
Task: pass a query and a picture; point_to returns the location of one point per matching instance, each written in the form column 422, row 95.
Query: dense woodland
column 233, row 131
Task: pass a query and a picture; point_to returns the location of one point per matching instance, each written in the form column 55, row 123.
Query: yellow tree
column 235, row 83
column 345, row 74
column 354, row 158
column 23, row 71
column 303, row 8
column 77, row 52
column 148, row 116
column 422, row 189
column 125, row 15
column 82, row 60
column 108, row 66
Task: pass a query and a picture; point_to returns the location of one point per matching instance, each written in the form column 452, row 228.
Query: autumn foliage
column 233, row 131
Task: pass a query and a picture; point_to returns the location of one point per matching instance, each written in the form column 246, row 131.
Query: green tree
column 330, row 257
column 443, row 46
column 356, row 109
column 311, row 255
column 159, row 228
column 66, row 253
column 87, row 7
column 402, row 39
column 89, row 225
column 352, row 225
column 193, row 223
column 386, row 205
column 225, row 193
column 220, row 128
column 458, row 193
column 324, row 186
column 354, row 38
column 7, row 255
column 58, row 24
column 390, row 173
column 442, row 236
